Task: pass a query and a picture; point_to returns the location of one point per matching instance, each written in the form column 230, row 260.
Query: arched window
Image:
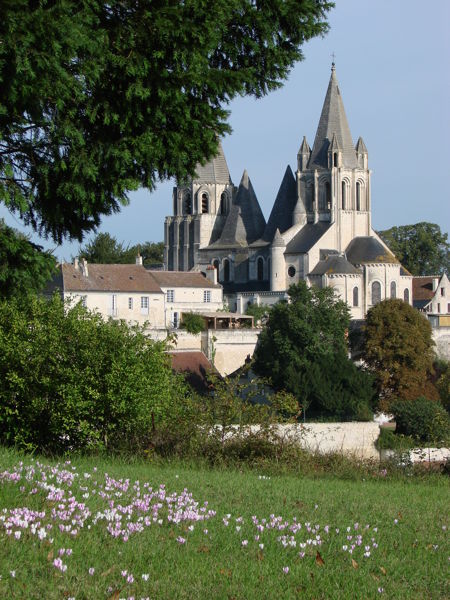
column 335, row 159
column 393, row 289
column 223, row 204
column 187, row 203
column 327, row 196
column 205, row 203
column 260, row 268
column 309, row 196
column 376, row 292
column 344, row 195
column 358, row 196
column 355, row 296
column 406, row 295
column 226, row 270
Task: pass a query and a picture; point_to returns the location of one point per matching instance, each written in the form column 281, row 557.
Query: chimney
column 435, row 283
column 76, row 263
column 84, row 267
column 139, row 260
column 211, row 274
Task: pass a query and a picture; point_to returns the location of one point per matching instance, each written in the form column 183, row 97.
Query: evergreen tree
column 100, row 98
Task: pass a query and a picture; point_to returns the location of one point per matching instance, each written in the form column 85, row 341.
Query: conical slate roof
column 245, row 222
column 360, row 146
column 332, row 121
column 215, row 171
column 281, row 214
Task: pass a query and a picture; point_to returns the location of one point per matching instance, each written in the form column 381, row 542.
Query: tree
column 24, row 267
column 70, row 380
column 303, row 349
column 421, row 248
column 99, row 98
column 105, row 249
column 399, row 351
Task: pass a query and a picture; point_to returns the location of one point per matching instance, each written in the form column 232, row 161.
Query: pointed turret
column 303, row 155
column 361, row 153
column 332, row 121
column 283, row 208
column 215, row 170
column 245, row 222
column 277, row 264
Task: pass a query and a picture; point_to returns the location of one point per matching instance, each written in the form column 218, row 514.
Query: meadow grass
column 258, row 536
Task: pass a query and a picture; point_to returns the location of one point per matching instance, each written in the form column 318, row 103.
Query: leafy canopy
column 399, row 351
column 24, row 267
column 422, row 248
column 303, row 349
column 72, row 381
column 100, row 98
column 105, row 249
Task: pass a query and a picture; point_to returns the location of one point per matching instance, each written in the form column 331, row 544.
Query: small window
column 344, row 194
column 260, row 268
column 130, row 303
column 291, row 271
column 355, row 296
column 335, row 159
column 358, row 196
column 83, row 301
column 448, row 307
column 176, row 320
column 442, row 292
column 226, row 270
column 170, row 295
column 144, row 305
column 376, row 292
column 205, row 203
column 223, row 204
column 393, row 289
column 328, row 195
column 439, row 307
column 187, row 203
column 406, row 295
column 206, row 296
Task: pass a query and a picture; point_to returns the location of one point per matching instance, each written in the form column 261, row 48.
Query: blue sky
column 392, row 64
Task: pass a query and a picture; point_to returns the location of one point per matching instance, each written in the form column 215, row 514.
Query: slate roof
column 305, row 239
column 105, row 278
column 333, row 121
column 215, row 171
column 283, row 208
column 245, row 222
column 175, row 279
column 366, row 249
column 334, row 264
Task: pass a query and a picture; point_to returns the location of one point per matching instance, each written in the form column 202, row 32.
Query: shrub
column 423, row 419
column 193, row 323
column 389, row 440
column 70, row 380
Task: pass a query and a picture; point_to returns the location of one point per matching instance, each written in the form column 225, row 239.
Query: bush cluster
column 423, row 419
column 70, row 380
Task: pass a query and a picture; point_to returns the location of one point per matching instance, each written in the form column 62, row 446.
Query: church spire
column 333, row 122
column 215, row 170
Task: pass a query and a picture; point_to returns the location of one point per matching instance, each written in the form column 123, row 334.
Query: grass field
column 156, row 531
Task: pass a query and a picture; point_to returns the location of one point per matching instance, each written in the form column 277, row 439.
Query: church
column 319, row 229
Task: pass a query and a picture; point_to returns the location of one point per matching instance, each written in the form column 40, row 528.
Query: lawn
column 93, row 529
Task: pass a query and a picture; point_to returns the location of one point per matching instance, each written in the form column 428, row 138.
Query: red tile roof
column 423, row 288
column 194, row 365
column 108, row 278
column 183, row 279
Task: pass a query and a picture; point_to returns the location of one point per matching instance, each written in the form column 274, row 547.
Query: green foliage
column 100, row 98
column 399, row 351
column 422, row 248
column 260, row 313
column 193, row 323
column 70, row 380
column 303, row 350
column 24, row 267
column 389, row 440
column 442, row 370
column 105, row 249
column 422, row 419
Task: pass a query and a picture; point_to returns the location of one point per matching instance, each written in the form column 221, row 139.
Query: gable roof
column 283, row 208
column 367, row 249
column 194, row 365
column 333, row 121
column 422, row 288
column 175, row 279
column 106, row 278
column 245, row 222
column 307, row 237
column 215, row 170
